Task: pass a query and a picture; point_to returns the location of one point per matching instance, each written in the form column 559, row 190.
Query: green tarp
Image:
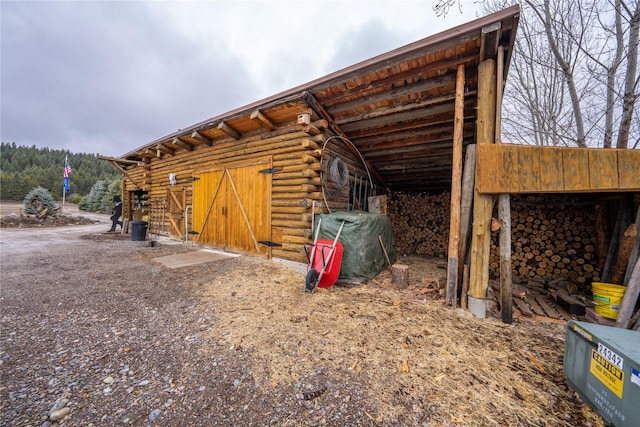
column 363, row 257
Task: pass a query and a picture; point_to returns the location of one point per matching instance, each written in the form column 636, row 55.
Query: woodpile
column 550, row 241
column 420, row 223
column 551, row 238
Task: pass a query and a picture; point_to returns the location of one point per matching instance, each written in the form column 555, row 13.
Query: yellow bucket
column 607, row 298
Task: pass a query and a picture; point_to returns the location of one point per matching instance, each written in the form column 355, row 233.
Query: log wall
column 297, row 183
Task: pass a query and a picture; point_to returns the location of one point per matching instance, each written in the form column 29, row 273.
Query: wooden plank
column 630, row 298
column 603, row 169
column 551, row 173
column 507, row 175
column 456, row 183
column 486, row 165
column 628, row 169
column 466, row 203
column 575, row 163
column 528, row 165
column 522, row 306
column 547, row 307
column 534, row 305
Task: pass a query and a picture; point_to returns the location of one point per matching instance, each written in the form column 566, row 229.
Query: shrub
column 39, row 202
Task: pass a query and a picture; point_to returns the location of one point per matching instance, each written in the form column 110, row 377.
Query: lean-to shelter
column 251, row 179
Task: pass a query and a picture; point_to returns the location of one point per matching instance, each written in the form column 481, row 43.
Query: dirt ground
column 95, row 332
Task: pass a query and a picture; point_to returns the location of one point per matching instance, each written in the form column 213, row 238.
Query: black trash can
column 138, row 230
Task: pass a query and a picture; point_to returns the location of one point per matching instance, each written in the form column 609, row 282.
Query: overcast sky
column 108, row 77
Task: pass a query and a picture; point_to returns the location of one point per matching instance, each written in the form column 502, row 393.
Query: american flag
column 67, row 168
column 67, row 172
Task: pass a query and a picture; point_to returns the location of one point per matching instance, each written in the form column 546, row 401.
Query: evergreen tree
column 23, row 168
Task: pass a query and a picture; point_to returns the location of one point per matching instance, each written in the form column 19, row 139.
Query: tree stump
column 400, row 275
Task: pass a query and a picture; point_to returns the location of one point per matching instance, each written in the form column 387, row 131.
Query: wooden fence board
column 551, row 169
column 509, row 168
column 628, row 169
column 576, row 169
column 603, row 169
column 529, row 169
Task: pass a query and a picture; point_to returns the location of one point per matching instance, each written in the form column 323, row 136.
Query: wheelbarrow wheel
column 312, row 280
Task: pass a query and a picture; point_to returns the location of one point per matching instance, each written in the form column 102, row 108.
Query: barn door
column 231, row 208
column 176, row 202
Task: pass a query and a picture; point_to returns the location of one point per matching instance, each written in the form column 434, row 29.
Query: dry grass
column 418, row 359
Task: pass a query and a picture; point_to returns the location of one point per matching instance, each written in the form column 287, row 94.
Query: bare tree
column 575, row 66
column 631, row 80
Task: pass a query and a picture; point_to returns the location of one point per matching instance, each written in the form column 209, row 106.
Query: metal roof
column 397, row 108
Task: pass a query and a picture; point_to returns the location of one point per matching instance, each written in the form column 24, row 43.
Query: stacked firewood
column 420, row 223
column 550, row 242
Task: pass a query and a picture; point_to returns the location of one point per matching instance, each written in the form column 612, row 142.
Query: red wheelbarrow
column 324, row 261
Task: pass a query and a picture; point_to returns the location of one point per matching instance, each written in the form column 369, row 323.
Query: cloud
column 108, row 76
column 363, row 42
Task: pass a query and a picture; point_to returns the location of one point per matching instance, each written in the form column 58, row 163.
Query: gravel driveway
column 95, row 333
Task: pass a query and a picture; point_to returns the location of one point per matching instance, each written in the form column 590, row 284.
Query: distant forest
column 24, row 168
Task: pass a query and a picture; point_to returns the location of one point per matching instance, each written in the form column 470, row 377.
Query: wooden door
column 231, row 208
column 176, row 203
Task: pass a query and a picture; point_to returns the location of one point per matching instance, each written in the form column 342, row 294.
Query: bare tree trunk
column 566, row 69
column 611, row 77
column 631, row 82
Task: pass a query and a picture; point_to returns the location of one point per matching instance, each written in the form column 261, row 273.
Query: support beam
column 202, row 138
column 489, row 39
column 180, row 143
column 224, row 127
column 504, row 209
column 456, row 183
column 125, row 173
column 483, row 203
column 263, row 120
column 165, row 150
column 117, row 160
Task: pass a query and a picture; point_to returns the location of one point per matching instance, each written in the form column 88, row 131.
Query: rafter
column 199, row 136
column 224, row 127
column 263, row 120
column 180, row 143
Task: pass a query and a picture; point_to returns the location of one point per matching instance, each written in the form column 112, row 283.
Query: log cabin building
column 423, row 119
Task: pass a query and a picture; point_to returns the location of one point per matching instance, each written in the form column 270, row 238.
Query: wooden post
column 504, row 209
column 634, row 251
column 504, row 214
column 456, row 182
column 622, row 220
column 624, row 254
column 483, row 203
column 466, row 207
column 630, row 298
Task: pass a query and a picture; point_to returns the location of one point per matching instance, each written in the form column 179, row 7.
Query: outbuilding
column 252, row 179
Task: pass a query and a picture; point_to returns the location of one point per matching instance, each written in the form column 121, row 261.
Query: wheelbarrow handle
column 315, row 243
column 333, row 247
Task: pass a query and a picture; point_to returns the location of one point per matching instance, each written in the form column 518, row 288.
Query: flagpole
column 64, row 190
